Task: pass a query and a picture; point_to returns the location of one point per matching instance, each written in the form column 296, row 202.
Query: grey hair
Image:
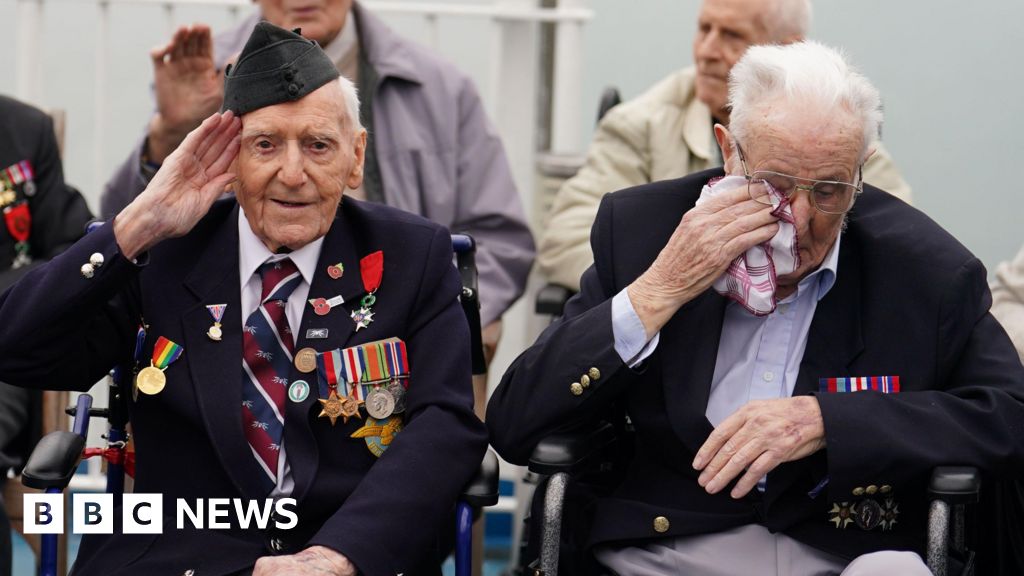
column 351, row 96
column 812, row 75
column 788, row 18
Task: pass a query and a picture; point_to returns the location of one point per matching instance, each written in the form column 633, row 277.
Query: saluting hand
column 182, row 191
column 188, row 88
column 757, row 438
column 708, row 238
column 313, row 561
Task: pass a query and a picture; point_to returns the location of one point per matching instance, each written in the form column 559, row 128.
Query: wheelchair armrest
column 53, row 461
column 551, row 299
column 955, row 484
column 573, row 450
column 482, row 490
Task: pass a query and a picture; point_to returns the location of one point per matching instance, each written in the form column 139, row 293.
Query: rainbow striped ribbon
column 165, row 352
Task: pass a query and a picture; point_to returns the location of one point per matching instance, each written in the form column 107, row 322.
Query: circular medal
column 298, row 391
column 321, row 307
column 215, row 333
column 869, row 514
column 151, row 380
column 305, row 360
column 397, row 391
column 380, row 404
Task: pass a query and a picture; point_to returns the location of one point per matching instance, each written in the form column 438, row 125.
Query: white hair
column 351, row 96
column 808, row 75
column 788, row 18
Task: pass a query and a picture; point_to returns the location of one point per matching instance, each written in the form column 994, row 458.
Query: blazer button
column 871, row 489
column 885, row 489
column 661, row 524
column 594, row 374
column 576, row 388
column 858, row 491
column 88, row 270
column 276, row 545
column 585, row 381
column 96, row 259
column 189, row 572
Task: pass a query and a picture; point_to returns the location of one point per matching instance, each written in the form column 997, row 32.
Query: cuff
column 630, row 337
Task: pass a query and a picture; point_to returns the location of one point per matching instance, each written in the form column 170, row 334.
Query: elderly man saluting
column 270, row 325
column 796, row 350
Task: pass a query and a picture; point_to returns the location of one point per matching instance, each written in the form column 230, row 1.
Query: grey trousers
column 750, row 550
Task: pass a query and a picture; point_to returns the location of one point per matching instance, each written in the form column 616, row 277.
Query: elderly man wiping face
column 806, row 137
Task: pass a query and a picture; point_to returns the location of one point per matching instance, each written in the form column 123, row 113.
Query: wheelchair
column 55, row 458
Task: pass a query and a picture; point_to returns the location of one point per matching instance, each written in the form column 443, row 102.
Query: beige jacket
column 664, row 133
column 1008, row 299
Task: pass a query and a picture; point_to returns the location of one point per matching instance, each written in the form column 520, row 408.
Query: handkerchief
column 750, row 279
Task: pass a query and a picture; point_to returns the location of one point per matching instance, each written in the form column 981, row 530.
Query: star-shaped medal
column 331, row 408
column 350, row 408
column 362, row 317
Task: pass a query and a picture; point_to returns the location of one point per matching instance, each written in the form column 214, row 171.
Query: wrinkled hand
column 184, row 188
column 313, row 561
column 708, row 238
column 188, row 88
column 757, row 438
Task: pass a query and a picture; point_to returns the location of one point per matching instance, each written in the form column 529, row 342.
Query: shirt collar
column 825, row 275
column 252, row 253
column 345, row 42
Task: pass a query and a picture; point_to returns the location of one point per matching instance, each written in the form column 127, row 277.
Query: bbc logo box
column 93, row 514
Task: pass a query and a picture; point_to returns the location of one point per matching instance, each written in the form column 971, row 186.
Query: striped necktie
column 267, row 349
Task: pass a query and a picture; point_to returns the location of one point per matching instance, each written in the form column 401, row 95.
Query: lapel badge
column 379, row 434
column 298, row 391
column 316, row 333
column 217, row 311
column 322, row 306
column 336, row 271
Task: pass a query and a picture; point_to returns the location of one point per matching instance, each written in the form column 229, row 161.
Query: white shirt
column 252, row 253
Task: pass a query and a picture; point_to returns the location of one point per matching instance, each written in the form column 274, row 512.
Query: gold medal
column 215, row 333
column 217, row 311
column 151, row 380
column 350, row 408
column 331, row 408
column 305, row 360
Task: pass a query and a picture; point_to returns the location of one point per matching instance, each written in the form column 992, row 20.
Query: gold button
column 871, row 489
column 585, row 381
column 661, row 524
column 595, row 374
column 576, row 388
column 885, row 489
column 858, row 491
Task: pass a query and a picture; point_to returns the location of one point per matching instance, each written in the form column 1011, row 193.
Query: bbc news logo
column 143, row 513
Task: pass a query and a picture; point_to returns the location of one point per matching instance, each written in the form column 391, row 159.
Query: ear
column 355, row 177
column 868, row 156
column 724, row 140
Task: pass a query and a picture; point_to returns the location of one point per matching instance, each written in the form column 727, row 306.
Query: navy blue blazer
column 909, row 301
column 62, row 330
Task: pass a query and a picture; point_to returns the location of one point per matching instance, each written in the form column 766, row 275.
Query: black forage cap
column 275, row 66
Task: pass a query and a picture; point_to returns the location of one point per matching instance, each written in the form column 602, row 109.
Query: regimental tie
column 267, row 350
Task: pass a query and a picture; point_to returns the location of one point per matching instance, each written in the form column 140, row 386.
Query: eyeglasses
column 826, row 196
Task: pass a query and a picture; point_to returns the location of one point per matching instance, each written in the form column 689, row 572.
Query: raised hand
column 181, row 193
column 188, row 88
column 757, row 438
column 709, row 237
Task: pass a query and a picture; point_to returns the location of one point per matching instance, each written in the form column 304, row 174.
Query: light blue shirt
column 758, row 356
